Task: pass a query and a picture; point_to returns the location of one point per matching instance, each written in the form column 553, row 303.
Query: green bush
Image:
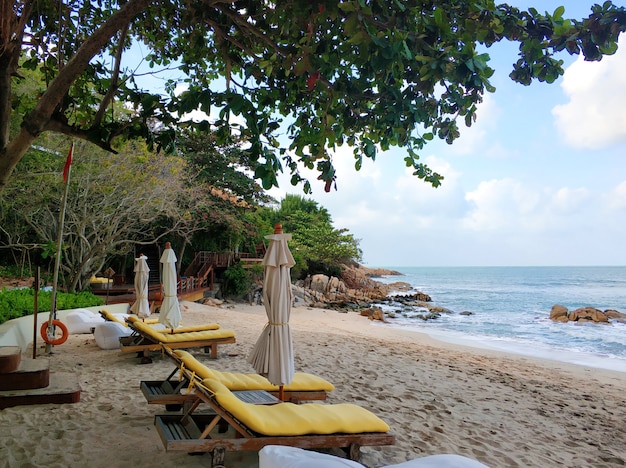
column 237, row 281
column 16, row 303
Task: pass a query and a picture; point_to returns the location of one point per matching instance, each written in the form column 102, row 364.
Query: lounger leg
column 145, row 357
column 213, row 348
column 218, row 454
column 354, row 452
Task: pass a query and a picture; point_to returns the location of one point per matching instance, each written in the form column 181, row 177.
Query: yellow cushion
column 192, row 328
column 163, row 336
column 100, row 280
column 301, row 382
column 289, row 419
column 111, row 317
column 132, row 318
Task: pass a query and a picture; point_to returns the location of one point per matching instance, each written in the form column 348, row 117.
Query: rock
column 614, row 314
column 557, row 312
column 400, row 286
column 373, row 313
column 211, row 301
column 587, row 314
column 466, row 312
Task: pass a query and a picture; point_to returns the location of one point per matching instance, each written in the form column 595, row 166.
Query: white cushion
column 108, row 334
column 280, row 456
column 440, row 461
column 275, row 456
column 81, row 321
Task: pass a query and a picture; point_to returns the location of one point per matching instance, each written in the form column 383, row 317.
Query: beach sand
column 502, row 410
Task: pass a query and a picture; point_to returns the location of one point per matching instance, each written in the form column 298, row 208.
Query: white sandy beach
column 502, row 410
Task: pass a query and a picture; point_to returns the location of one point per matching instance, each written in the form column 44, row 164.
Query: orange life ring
column 56, row 341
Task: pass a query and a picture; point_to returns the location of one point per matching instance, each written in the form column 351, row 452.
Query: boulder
column 614, row 314
column 587, row 314
column 373, row 313
column 558, row 312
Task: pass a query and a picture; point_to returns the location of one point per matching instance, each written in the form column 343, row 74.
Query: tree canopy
column 300, row 77
column 317, row 245
column 114, row 203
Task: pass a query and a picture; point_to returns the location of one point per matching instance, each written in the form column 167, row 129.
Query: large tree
column 367, row 73
column 114, row 203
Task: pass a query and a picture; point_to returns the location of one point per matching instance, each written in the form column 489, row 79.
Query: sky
column 539, row 179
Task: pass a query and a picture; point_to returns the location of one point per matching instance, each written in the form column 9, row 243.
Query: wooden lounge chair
column 251, row 426
column 173, row 393
column 146, row 338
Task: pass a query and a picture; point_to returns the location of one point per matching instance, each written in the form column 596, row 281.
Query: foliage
column 370, row 74
column 316, row 245
column 227, row 195
column 15, row 303
column 114, row 202
column 238, row 281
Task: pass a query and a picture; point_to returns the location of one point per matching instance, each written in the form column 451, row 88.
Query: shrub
column 237, row 281
column 16, row 303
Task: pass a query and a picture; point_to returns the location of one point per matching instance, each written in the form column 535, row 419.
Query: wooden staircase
column 29, row 382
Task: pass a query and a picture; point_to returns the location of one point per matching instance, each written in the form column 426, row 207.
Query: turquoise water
column 511, row 306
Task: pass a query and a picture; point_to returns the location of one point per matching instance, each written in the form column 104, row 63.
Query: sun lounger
column 108, row 316
column 172, row 392
column 251, row 426
column 146, row 338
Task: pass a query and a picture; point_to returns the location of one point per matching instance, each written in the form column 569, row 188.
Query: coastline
column 438, row 397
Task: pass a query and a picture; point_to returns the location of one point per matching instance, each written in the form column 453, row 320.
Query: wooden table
column 256, row 397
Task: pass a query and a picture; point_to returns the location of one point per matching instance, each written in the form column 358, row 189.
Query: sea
column 510, row 309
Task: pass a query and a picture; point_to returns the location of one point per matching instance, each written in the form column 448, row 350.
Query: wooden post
column 35, row 312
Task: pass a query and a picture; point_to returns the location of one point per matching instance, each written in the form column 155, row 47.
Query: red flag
column 68, row 163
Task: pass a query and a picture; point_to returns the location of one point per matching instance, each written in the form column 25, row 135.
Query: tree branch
column 57, row 125
column 35, row 122
column 108, row 98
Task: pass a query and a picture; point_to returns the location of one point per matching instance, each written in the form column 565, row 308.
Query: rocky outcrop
column 560, row 313
column 354, row 288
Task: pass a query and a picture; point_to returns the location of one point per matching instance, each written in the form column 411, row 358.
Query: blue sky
column 540, row 179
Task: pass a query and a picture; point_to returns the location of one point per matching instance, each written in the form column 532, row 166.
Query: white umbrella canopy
column 141, row 306
column 169, row 314
column 272, row 355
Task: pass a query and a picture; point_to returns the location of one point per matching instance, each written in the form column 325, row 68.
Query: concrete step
column 63, row 388
column 31, row 374
column 10, row 357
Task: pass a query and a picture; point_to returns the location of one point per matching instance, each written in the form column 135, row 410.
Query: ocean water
column 511, row 307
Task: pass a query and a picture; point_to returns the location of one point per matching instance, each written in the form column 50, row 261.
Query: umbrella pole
column 281, row 393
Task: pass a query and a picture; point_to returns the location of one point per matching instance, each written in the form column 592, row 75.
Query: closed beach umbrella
column 272, row 355
column 169, row 314
column 141, row 306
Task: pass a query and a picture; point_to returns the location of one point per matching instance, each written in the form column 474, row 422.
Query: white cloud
column 569, row 201
column 499, row 204
column 616, row 199
column 595, row 116
column 507, row 205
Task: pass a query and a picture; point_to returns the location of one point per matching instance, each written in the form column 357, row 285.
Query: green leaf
column 558, row 13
